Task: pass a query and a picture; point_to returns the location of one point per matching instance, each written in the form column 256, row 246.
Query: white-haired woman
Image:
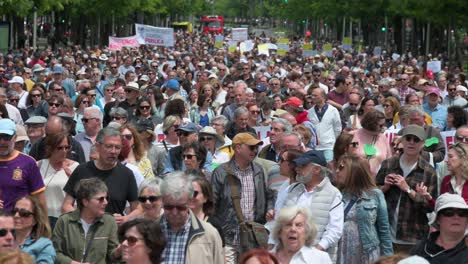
column 149, row 196
column 295, row 232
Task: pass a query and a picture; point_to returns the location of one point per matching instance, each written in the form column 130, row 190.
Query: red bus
column 213, row 24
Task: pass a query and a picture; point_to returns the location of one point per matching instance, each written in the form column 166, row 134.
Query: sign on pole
column 156, row 36
column 239, row 34
column 119, row 43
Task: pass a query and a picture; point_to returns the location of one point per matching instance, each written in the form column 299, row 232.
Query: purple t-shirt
column 341, row 98
column 19, row 177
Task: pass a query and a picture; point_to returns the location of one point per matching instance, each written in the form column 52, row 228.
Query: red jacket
column 447, row 187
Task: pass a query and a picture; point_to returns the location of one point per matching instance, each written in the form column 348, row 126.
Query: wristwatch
column 409, row 190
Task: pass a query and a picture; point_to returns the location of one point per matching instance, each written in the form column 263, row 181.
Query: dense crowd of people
column 194, row 154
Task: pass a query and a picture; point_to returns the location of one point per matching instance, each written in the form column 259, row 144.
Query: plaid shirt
column 403, row 92
column 176, row 243
column 412, row 220
column 247, row 191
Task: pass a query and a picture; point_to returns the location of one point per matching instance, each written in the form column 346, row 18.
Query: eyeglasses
column 102, row 198
column 86, row 120
column 131, row 240
column 67, row 148
column 450, row 212
column 127, row 136
column 13, row 100
column 253, row 148
column 206, row 139
column 4, row 232
column 117, row 118
column 145, row 107
column 331, row 80
column 152, row 199
column 22, row 212
column 57, row 90
column 36, row 95
column 6, row 137
column 188, row 156
column 413, row 138
column 85, row 102
column 354, row 144
column 54, row 105
column 182, row 133
column 461, row 138
column 128, row 90
column 170, row 207
column 255, row 112
column 92, row 95
column 386, row 105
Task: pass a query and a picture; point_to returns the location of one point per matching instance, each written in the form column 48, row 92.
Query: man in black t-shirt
column 119, row 179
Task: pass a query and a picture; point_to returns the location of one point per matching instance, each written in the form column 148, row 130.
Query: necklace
column 433, row 255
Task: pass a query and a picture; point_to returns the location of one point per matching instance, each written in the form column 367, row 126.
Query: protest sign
column 232, row 46
column 283, row 46
column 156, row 36
column 240, row 34
column 263, row 49
column 434, row 66
column 347, row 43
column 328, row 49
column 119, row 43
column 219, row 39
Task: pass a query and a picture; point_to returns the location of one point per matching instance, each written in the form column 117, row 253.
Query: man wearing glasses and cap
column 19, row 174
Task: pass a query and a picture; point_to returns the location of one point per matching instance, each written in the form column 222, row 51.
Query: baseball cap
column 36, row 120
column 189, row 127
column 260, row 88
column 433, row 90
column 57, row 69
column 21, row 134
column 414, row 130
column 173, row 84
column 293, row 101
column 144, row 78
column 246, row 138
column 461, row 88
column 16, row 79
column 133, row 86
column 312, row 156
column 7, row 126
column 448, row 200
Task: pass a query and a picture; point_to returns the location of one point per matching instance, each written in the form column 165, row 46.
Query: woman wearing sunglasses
column 134, row 152
column 448, row 244
column 141, row 242
column 149, row 196
column 145, row 111
column 365, row 214
column 35, row 101
column 33, row 230
column 55, row 170
column 81, row 102
column 202, row 114
column 194, row 157
column 88, row 234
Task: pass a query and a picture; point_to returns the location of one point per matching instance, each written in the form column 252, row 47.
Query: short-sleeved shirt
column 119, row 181
column 340, row 98
column 19, row 177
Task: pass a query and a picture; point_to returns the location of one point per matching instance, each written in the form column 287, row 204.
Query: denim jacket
column 40, row 249
column 372, row 220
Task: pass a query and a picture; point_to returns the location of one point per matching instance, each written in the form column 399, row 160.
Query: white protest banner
column 240, row 34
column 395, row 56
column 245, row 46
column 119, row 43
column 434, row 66
column 377, row 51
column 156, row 36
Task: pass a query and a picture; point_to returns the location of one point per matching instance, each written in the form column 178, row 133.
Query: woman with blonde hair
column 32, row 229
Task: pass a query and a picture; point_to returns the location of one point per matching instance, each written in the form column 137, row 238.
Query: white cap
column 448, row 200
column 17, row 79
column 462, row 88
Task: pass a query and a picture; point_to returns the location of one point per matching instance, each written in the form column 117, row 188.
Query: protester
column 149, row 196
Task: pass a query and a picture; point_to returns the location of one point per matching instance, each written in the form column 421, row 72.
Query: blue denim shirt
column 438, row 115
column 42, row 250
column 372, row 220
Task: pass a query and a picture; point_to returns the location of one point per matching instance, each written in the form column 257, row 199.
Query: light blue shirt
column 438, row 115
column 41, row 250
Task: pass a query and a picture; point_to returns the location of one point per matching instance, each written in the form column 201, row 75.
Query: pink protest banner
column 119, row 43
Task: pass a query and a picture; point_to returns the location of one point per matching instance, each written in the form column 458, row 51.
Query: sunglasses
column 450, row 212
column 117, row 118
column 36, row 95
column 255, row 112
column 169, row 207
column 462, row 138
column 92, row 95
column 54, row 105
column 415, row 139
column 386, row 105
column 354, row 144
column 131, row 240
column 85, row 102
column 109, row 90
column 57, row 90
column 102, row 198
column 67, row 148
column 188, row 156
column 6, row 137
column 22, row 212
column 145, row 107
column 4, row 232
column 127, row 136
column 182, row 133
column 86, row 120
column 253, row 148
column 206, row 139
column 128, row 90
column 13, row 100
column 152, row 199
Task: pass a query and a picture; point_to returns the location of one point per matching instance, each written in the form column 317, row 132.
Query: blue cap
column 7, row 127
column 189, row 127
column 172, row 84
column 312, row 156
column 57, row 69
column 260, row 88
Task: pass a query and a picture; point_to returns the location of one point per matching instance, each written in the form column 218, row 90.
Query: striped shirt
column 176, row 242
